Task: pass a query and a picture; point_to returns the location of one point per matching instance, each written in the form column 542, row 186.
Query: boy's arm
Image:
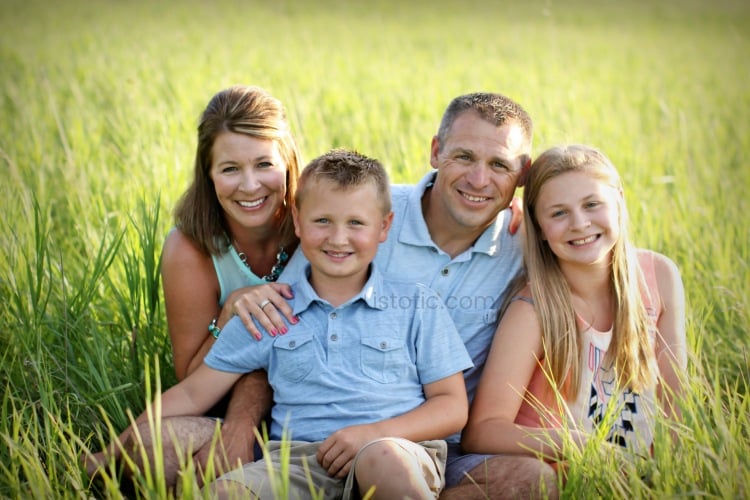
column 193, row 396
column 444, row 412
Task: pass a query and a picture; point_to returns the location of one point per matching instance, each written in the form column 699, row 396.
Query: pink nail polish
column 274, row 332
column 284, row 330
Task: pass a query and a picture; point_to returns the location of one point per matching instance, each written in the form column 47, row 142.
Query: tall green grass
column 99, row 101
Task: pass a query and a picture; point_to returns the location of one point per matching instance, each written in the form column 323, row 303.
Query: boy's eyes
column 325, row 220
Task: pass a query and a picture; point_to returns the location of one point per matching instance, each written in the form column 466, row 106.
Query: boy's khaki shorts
column 304, row 470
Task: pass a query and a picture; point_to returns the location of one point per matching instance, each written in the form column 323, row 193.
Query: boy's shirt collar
column 305, row 295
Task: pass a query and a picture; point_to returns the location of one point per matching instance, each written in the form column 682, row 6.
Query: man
column 451, row 233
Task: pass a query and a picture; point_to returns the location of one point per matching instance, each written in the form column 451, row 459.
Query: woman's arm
column 191, row 297
column 671, row 342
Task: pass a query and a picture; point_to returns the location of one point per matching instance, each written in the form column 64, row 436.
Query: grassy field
column 99, row 102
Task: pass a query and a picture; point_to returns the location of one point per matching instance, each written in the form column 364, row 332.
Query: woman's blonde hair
column 630, row 351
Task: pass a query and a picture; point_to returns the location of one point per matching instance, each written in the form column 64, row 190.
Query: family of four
column 408, row 344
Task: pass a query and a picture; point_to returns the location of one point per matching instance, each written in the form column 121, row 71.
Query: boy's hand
column 337, row 452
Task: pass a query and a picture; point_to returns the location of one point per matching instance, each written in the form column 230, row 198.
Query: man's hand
column 234, row 449
column 516, row 219
column 94, row 462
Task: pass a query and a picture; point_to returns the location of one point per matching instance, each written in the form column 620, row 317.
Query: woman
column 233, row 234
column 596, row 322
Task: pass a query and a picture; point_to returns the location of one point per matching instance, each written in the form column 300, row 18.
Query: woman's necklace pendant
column 281, row 258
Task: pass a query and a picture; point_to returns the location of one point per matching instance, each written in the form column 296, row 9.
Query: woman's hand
column 266, row 303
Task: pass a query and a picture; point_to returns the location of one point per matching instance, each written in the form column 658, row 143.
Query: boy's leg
column 399, row 468
column 304, row 473
column 178, row 436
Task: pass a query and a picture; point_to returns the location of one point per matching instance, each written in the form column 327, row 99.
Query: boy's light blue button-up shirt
column 362, row 362
column 473, row 285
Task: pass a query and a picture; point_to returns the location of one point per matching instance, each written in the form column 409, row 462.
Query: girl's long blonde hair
column 630, row 351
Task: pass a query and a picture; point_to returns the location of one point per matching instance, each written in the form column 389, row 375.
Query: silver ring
column 264, row 303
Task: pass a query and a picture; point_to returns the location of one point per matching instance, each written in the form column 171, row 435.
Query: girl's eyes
column 265, row 164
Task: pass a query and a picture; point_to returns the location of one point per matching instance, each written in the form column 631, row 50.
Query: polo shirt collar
column 305, row 295
column 414, row 230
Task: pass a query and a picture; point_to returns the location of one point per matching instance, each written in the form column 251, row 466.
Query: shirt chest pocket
column 383, row 359
column 295, row 356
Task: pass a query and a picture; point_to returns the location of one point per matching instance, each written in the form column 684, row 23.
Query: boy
column 372, row 367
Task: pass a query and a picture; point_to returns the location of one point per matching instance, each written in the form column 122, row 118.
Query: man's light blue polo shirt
column 362, row 362
column 473, row 285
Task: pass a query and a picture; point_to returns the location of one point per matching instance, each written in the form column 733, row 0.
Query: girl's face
column 249, row 176
column 579, row 217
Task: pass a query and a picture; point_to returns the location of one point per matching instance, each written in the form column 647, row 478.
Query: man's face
column 479, row 166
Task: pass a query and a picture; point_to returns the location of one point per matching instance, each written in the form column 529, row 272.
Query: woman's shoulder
column 181, row 250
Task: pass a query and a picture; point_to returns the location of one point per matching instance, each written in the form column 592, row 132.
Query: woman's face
column 249, row 176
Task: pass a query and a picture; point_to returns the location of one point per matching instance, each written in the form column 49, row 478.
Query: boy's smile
column 340, row 230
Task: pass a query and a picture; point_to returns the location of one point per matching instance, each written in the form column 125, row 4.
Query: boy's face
column 340, row 230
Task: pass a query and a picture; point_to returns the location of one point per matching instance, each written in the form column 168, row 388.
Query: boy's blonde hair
column 346, row 169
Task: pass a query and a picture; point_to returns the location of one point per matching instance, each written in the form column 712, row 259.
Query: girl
column 596, row 322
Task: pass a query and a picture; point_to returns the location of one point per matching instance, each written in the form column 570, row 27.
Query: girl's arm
column 512, row 360
column 671, row 342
